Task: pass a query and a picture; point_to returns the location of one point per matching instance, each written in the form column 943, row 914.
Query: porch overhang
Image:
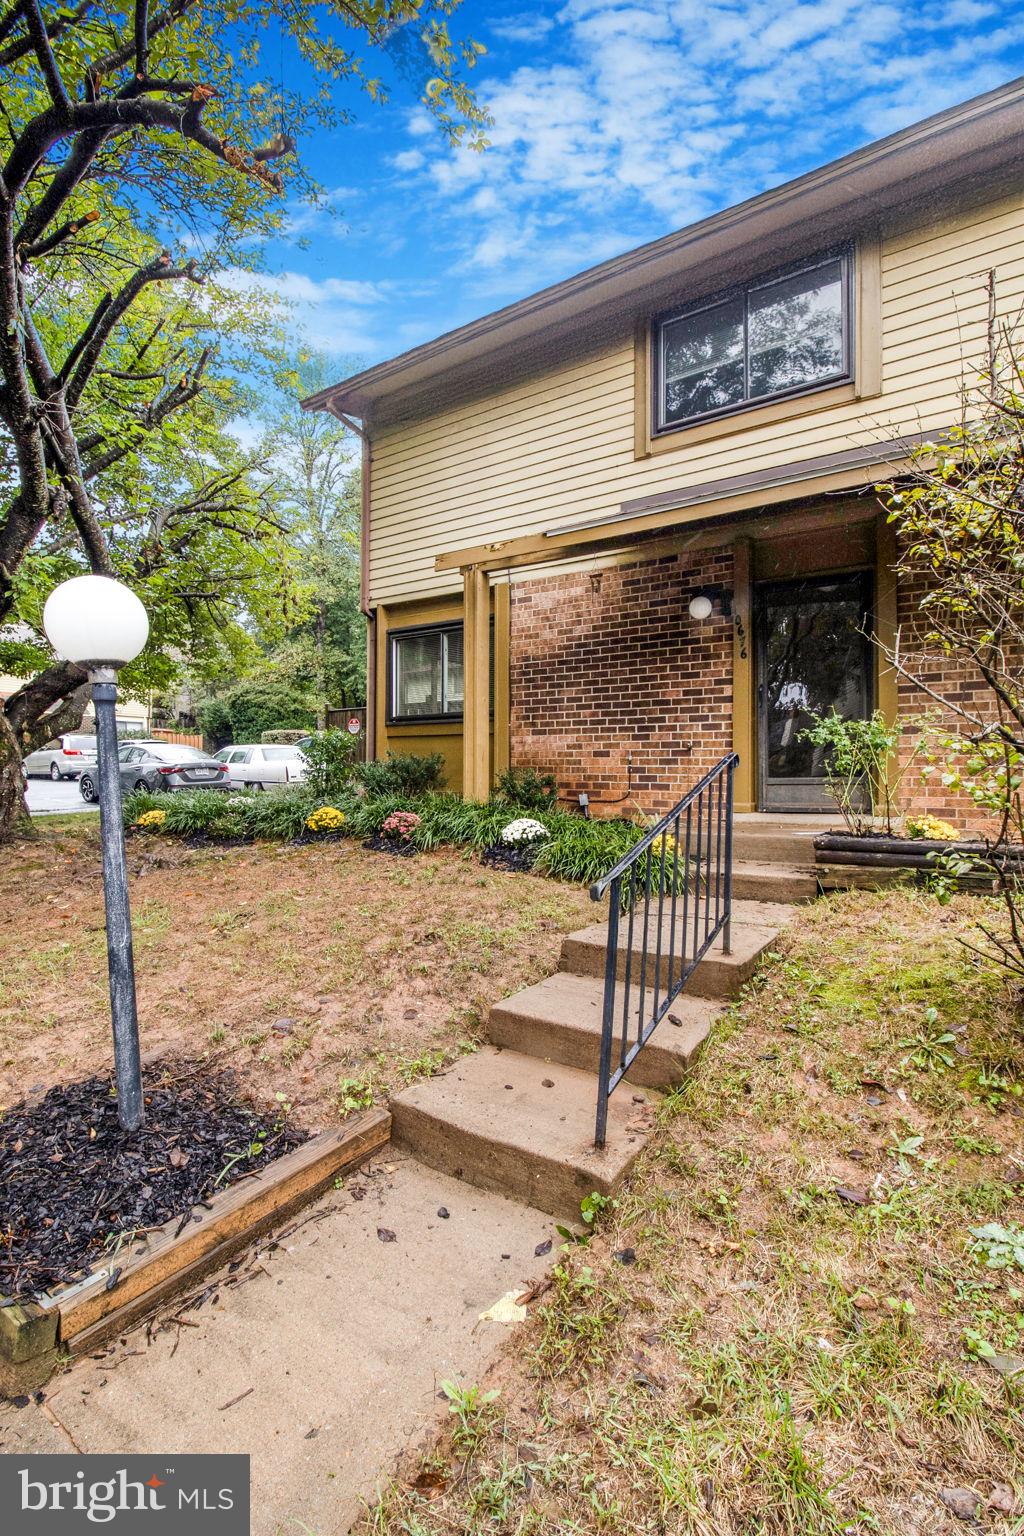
column 711, row 501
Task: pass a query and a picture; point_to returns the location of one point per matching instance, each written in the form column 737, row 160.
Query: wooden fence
column 179, row 738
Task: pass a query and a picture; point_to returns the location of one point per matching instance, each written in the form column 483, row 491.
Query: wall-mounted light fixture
column 702, row 603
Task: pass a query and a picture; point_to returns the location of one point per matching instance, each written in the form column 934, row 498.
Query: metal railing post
column 727, row 916
column 604, row 1071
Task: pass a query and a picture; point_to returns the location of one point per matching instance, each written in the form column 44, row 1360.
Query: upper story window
column 775, row 337
column 426, row 673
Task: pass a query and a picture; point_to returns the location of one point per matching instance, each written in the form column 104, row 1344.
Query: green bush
column 527, row 789
column 257, row 707
column 215, row 723
column 401, row 773
column 331, row 758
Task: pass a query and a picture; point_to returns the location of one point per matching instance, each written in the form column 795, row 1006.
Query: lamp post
column 101, row 625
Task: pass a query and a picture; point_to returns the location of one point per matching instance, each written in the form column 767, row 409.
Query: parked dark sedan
column 159, row 765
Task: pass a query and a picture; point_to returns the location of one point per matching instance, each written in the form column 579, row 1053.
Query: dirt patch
column 322, row 971
column 788, row 1324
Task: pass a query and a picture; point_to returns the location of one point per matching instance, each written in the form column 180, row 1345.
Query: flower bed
column 574, row 849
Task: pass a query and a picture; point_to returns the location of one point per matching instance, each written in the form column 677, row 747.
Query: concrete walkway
column 330, row 1349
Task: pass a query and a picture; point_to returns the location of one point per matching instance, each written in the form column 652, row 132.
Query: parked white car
column 64, row 758
column 256, row 766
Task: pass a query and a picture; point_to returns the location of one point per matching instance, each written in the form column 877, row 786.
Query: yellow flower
column 152, row 819
column 931, row 827
column 325, row 819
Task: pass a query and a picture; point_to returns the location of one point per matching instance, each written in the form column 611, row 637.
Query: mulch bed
column 76, row 1189
column 519, row 858
column 402, row 850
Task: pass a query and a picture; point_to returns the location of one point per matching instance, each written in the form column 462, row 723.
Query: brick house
column 627, row 524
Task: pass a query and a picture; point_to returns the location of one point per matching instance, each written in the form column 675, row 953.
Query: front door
column 813, row 656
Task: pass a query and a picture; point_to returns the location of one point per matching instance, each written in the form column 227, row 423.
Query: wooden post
column 476, row 721
column 743, row 713
column 886, row 618
column 502, row 679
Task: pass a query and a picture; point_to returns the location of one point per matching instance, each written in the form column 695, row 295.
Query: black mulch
column 517, row 857
column 72, row 1183
column 403, row 850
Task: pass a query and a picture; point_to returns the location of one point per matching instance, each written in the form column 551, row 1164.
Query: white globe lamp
column 96, row 622
column 100, row 625
column 700, row 607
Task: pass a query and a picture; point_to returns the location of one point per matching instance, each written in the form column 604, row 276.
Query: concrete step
column 522, row 1126
column 753, row 880
column 778, row 839
column 755, row 927
column 559, row 1020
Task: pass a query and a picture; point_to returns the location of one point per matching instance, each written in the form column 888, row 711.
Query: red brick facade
column 614, row 685
column 608, row 666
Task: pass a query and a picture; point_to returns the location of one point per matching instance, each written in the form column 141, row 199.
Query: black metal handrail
column 685, row 863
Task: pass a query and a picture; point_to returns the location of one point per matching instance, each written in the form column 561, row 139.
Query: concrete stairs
column 773, row 857
column 517, row 1116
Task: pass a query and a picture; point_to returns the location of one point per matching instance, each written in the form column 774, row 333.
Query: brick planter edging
column 79, row 1316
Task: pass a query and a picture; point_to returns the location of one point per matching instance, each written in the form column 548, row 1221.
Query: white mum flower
column 524, row 830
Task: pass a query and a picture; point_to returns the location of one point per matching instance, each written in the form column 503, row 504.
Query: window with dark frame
column 783, row 335
column 426, row 674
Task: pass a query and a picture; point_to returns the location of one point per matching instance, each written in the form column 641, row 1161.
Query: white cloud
column 408, row 160
column 648, row 114
column 335, row 315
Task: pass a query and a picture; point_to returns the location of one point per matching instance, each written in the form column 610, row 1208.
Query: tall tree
column 315, row 487
column 121, row 120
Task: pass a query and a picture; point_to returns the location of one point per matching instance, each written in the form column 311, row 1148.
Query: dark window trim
column 391, row 717
column 843, row 253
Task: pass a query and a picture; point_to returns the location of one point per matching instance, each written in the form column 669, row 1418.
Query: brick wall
column 609, row 664
column 950, row 679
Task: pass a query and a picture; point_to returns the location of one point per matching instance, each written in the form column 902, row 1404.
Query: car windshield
column 169, row 753
column 80, row 743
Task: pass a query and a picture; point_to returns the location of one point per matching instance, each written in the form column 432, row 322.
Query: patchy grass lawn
column 782, row 1328
column 374, row 969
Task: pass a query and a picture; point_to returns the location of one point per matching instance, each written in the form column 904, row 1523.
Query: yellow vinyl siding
column 560, row 448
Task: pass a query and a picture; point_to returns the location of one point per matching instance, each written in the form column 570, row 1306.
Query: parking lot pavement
column 46, row 798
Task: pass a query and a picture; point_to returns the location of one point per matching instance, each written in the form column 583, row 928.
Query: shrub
column 401, row 774
column 859, row 757
column 527, row 788
column 258, row 707
column 523, row 830
column 331, row 759
column 401, row 825
column 215, row 722
column 283, row 738
column 326, row 818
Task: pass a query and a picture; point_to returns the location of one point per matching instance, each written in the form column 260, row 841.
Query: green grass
column 778, row 1361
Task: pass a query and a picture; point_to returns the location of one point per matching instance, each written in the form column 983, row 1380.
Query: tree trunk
column 14, row 817
column 321, row 667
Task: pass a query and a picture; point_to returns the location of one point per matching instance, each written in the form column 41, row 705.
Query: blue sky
column 615, row 122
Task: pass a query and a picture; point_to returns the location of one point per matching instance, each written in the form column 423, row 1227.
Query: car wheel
column 140, row 784
column 259, row 788
column 55, row 773
column 87, row 788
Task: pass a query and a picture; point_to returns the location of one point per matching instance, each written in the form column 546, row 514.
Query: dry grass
column 778, row 1359
column 382, row 967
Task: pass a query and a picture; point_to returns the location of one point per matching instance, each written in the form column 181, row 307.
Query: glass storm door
column 813, row 656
